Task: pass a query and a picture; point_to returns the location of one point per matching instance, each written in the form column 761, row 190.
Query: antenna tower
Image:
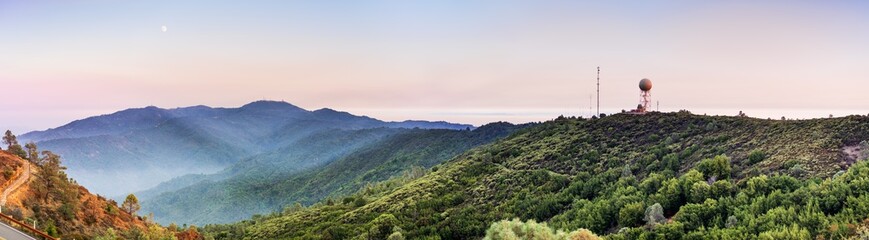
column 598, row 91
column 645, row 96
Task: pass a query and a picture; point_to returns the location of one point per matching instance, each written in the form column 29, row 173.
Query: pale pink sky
column 464, row 61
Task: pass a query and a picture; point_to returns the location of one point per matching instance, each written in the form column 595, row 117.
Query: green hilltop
column 653, row 176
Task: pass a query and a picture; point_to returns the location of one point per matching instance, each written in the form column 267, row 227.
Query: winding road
column 9, row 233
column 15, row 185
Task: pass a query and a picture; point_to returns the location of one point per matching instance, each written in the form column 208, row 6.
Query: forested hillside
column 328, row 164
column 653, row 176
column 58, row 205
column 135, row 149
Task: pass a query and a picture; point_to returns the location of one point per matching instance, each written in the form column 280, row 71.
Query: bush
column 756, row 156
column 721, row 188
column 696, row 215
column 67, row 211
column 381, row 227
column 360, row 201
column 582, row 234
column 516, row 229
column 669, row 195
column 699, row 192
column 631, row 215
column 395, row 236
column 715, row 168
column 671, row 162
column 794, row 232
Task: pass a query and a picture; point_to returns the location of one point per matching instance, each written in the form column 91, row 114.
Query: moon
column 164, row 28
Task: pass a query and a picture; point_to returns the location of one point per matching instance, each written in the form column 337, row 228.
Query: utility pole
column 598, row 90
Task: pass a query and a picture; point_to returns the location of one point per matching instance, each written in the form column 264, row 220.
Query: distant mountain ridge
column 327, row 164
column 147, row 117
column 137, row 148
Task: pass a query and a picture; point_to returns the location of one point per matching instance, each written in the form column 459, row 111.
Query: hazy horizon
column 459, row 61
column 479, row 117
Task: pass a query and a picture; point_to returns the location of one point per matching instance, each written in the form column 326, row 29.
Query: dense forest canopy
column 660, row 175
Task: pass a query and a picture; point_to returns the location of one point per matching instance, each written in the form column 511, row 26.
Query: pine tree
column 131, row 204
column 9, row 139
column 32, row 152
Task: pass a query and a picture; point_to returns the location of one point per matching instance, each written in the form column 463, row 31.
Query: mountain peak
column 270, row 105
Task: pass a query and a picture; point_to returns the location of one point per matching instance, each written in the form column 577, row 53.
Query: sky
column 461, row 61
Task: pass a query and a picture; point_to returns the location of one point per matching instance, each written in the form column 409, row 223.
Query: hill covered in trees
column 135, row 149
column 37, row 190
column 655, row 176
column 325, row 165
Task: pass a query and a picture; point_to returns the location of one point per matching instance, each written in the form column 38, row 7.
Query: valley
column 136, row 149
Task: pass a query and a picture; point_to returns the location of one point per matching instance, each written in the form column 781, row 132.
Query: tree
column 654, row 215
column 699, row 192
column 382, row 226
column 12, row 145
column 358, row 202
column 631, row 214
column 9, row 139
column 671, row 161
column 756, row 156
column 32, row 152
column 190, row 234
column 51, row 175
column 670, row 195
column 110, row 234
column 792, row 233
column 396, row 236
column 582, row 234
column 294, row 208
column 17, row 150
column 131, row 204
column 715, row 168
column 517, row 229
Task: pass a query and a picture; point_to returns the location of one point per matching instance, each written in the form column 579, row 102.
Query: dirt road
column 18, row 182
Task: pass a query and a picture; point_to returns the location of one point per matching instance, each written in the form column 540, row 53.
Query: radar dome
column 645, row 84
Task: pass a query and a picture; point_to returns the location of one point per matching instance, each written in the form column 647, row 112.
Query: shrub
column 360, row 201
column 631, row 215
column 395, row 236
column 756, row 156
column 582, row 234
column 699, row 192
column 721, row 188
column 382, row 226
column 67, row 211
column 516, row 229
column 715, row 168
column 794, row 232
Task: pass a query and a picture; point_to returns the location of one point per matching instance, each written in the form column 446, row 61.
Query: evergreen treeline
column 661, row 176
